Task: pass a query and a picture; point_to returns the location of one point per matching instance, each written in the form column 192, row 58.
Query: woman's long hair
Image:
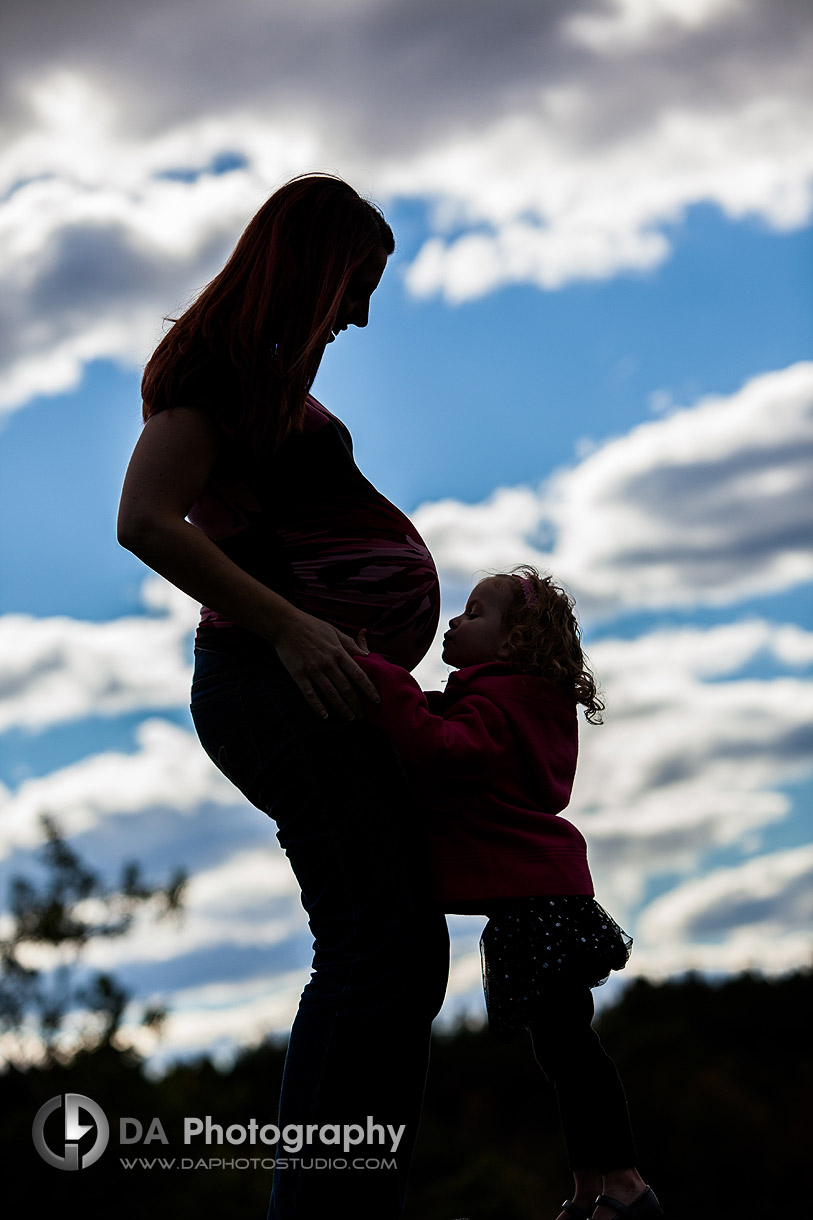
column 249, row 347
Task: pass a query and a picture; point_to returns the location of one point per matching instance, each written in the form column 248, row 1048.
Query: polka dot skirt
column 533, row 945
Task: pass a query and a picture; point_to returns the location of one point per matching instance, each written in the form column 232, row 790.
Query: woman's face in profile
column 354, row 307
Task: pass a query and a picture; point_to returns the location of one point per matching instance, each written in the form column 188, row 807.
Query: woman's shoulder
column 317, row 416
column 206, row 387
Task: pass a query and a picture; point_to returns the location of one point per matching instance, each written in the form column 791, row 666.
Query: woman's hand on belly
column 319, row 658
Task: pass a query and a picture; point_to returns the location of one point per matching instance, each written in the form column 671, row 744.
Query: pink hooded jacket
column 492, row 760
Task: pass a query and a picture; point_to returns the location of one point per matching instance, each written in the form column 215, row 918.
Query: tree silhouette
column 44, row 984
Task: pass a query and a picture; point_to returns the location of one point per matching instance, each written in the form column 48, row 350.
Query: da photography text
column 292, row 1138
column 61, row 1133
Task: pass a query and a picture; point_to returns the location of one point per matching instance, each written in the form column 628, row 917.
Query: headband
column 527, row 588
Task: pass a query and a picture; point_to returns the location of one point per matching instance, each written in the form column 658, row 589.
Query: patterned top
column 310, row 526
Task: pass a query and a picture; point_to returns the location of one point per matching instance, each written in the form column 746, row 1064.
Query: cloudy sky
column 591, row 350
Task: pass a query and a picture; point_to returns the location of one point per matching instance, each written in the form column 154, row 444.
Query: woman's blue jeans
column 359, row 1045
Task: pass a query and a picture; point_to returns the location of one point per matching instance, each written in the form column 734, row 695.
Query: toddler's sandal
column 645, row 1207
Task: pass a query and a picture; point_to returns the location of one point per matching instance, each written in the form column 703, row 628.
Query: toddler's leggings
column 592, row 1103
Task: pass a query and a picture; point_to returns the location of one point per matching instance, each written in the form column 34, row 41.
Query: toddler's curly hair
column 544, row 636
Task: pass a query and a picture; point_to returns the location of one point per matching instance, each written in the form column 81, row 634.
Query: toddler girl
column 492, row 760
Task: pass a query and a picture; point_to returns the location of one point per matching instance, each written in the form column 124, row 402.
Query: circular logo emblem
column 74, row 1129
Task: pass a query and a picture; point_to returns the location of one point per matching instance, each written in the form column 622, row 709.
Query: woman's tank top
column 310, row 526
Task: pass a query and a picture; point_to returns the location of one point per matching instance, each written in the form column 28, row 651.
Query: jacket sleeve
column 463, row 740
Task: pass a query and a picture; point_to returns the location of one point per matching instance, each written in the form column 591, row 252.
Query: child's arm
column 463, row 740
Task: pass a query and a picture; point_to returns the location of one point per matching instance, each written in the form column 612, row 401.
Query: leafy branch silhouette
column 59, row 919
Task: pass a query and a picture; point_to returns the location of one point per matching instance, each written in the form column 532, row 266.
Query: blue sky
column 591, row 350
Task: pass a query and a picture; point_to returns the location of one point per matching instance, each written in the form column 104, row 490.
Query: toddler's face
column 477, row 635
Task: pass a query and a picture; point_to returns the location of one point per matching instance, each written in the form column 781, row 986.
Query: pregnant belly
column 389, row 588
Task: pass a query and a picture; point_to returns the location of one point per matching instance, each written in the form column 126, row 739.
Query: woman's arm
column 167, row 473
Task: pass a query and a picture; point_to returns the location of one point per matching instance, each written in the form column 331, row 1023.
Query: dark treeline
column 718, row 1077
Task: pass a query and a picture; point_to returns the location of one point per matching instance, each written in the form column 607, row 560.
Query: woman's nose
column 361, row 314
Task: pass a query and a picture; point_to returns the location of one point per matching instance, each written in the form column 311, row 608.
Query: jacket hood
column 508, row 683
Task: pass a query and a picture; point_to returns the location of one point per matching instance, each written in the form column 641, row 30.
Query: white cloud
column 554, row 142
column 250, row 899
column 691, row 758
column 623, row 23
column 168, row 769
column 469, row 539
column 774, row 890
column 757, row 915
column 577, row 211
column 57, row 669
column 97, row 247
column 705, row 506
column 224, row 1016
